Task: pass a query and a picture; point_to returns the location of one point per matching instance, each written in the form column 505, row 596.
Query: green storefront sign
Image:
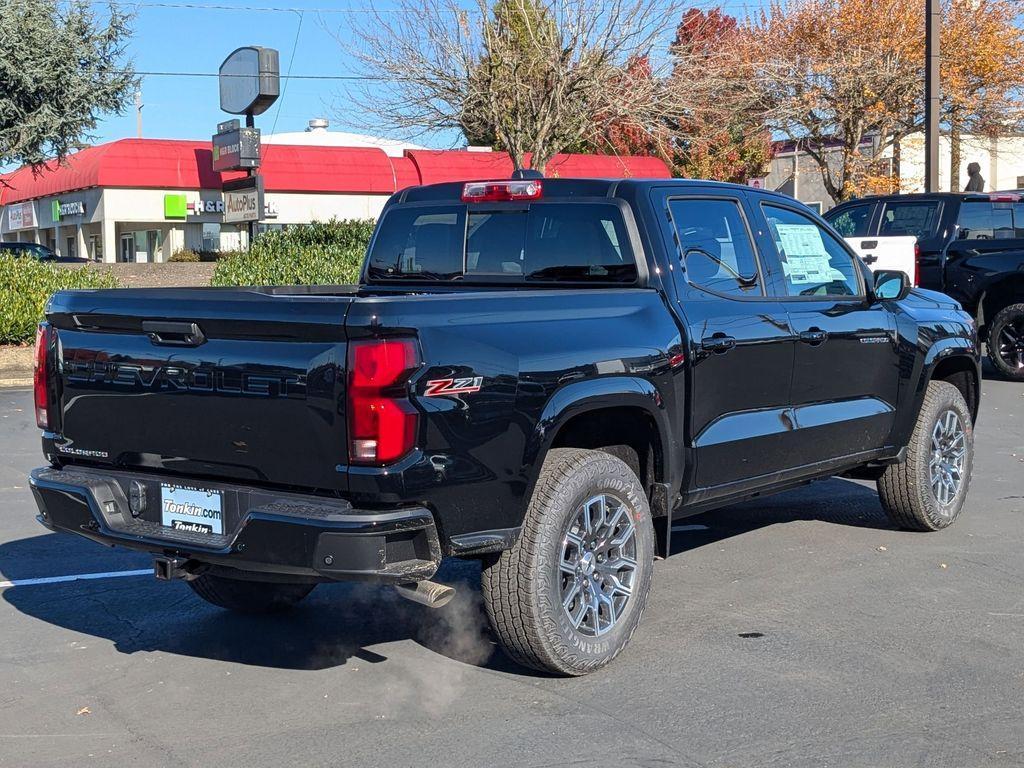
column 175, row 207
column 59, row 210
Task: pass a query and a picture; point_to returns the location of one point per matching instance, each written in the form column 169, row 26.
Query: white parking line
column 679, row 528
column 74, row 577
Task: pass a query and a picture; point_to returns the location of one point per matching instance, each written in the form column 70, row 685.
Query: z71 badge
column 438, row 387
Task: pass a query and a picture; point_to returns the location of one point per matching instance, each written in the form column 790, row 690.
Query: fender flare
column 590, row 395
column 941, row 350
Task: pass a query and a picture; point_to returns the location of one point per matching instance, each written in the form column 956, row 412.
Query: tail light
column 501, row 191
column 40, row 376
column 917, row 265
column 382, row 420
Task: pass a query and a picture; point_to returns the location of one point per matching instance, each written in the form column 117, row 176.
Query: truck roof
column 559, row 187
column 997, row 196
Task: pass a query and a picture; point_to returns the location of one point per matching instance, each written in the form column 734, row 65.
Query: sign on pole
column 243, row 199
column 250, row 80
column 237, row 149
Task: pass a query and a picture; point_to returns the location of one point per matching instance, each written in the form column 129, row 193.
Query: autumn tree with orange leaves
column 981, row 71
column 845, row 79
column 835, row 74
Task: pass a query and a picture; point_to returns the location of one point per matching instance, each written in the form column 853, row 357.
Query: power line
column 287, row 75
column 152, row 73
column 256, row 8
column 725, row 5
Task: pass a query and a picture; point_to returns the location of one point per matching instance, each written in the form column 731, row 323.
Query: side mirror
column 891, row 284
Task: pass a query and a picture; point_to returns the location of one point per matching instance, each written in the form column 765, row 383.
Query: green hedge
column 322, row 253
column 26, row 284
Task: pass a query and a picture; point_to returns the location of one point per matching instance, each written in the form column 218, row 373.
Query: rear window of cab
column 535, row 242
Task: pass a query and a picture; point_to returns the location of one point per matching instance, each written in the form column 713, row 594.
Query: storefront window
column 211, row 237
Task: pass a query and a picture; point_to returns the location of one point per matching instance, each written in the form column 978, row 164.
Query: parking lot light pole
column 933, row 21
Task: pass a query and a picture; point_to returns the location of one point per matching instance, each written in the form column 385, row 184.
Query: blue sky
column 192, row 36
column 196, row 39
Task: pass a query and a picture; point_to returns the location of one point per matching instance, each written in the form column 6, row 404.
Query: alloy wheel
column 949, row 449
column 1010, row 344
column 598, row 565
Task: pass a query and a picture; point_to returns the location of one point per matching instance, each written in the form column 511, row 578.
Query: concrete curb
column 15, row 381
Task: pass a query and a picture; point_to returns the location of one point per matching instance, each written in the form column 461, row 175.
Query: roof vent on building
column 318, row 124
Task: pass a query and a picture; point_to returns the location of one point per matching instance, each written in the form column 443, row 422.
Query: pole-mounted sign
column 250, row 81
column 236, row 149
column 243, row 199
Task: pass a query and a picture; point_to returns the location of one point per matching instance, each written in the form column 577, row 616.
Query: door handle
column 718, row 343
column 814, row 336
column 868, row 243
column 869, row 258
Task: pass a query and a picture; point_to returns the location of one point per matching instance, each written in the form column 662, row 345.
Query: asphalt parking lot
column 869, row 647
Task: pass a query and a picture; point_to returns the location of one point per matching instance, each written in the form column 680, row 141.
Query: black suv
column 971, row 247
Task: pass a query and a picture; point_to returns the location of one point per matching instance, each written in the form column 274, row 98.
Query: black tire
column 906, row 489
column 245, row 596
column 1006, row 342
column 523, row 588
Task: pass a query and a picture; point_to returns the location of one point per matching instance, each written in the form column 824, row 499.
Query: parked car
column 38, row 252
column 541, row 375
column 971, row 247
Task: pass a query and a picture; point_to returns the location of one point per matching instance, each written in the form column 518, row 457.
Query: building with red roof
column 143, row 199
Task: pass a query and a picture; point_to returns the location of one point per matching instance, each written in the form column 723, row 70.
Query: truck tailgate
column 222, row 383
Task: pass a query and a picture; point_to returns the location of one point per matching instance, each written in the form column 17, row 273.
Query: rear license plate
column 191, row 509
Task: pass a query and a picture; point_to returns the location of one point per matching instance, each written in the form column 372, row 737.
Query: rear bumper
column 270, row 532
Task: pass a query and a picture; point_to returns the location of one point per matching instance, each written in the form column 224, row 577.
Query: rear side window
column 572, row 242
column 983, row 220
column 919, row 219
column 715, row 245
column 851, row 222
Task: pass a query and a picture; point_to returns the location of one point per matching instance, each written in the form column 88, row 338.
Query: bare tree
column 532, row 77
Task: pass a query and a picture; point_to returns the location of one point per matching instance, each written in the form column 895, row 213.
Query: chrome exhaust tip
column 428, row 593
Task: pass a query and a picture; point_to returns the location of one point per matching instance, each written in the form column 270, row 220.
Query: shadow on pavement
column 835, row 500
column 337, row 622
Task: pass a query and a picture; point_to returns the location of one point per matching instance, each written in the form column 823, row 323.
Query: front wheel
column 1006, row 342
column 569, row 595
column 927, row 491
column 245, row 596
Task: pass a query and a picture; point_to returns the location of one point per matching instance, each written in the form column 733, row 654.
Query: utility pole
column 138, row 113
column 932, row 91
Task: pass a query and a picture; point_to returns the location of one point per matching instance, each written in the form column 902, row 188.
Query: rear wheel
column 244, row 596
column 569, row 595
column 927, row 491
column 1006, row 342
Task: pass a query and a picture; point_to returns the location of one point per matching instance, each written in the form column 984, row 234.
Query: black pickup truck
column 540, row 374
column 969, row 245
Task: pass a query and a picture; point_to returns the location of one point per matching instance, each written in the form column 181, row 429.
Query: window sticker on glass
column 807, row 261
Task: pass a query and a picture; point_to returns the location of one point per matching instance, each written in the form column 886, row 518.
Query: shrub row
column 26, row 284
column 322, row 253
